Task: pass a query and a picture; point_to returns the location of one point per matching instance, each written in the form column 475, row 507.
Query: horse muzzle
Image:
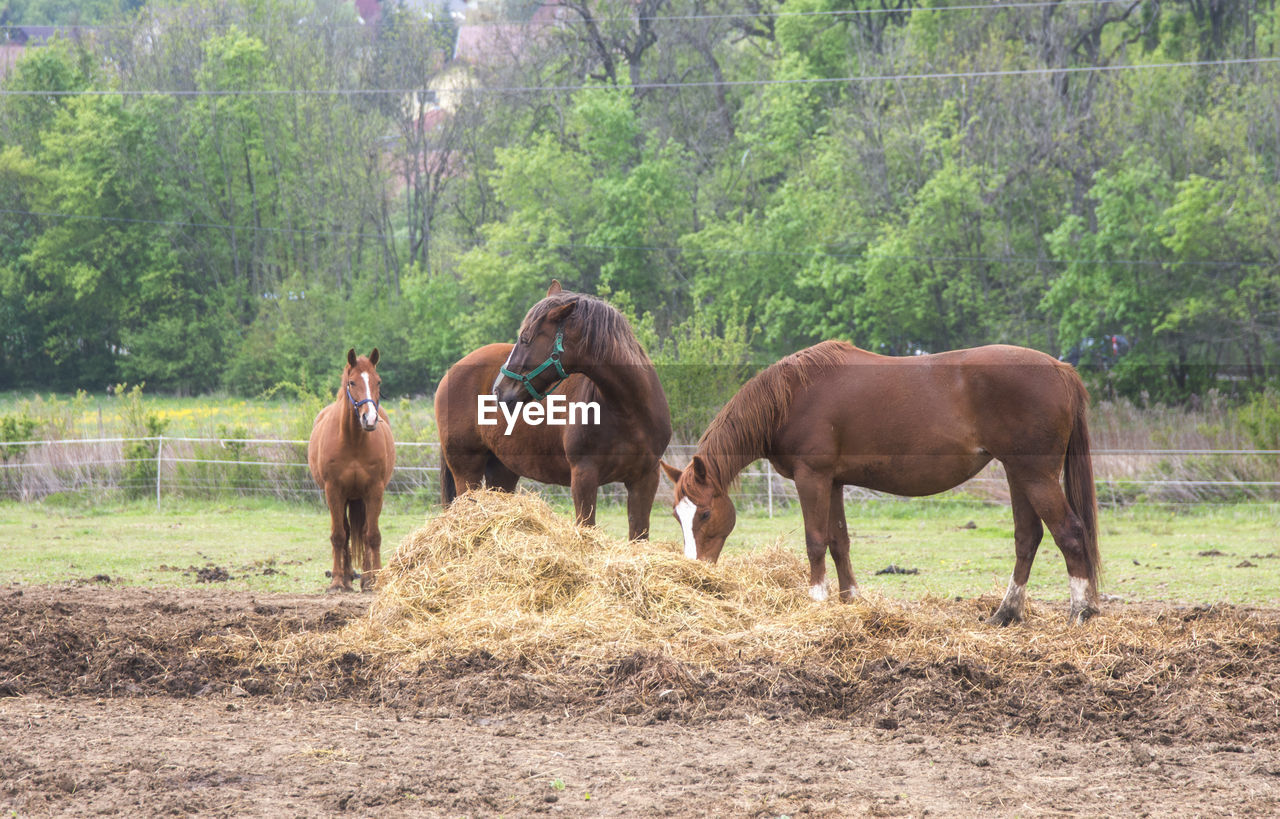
column 508, row 391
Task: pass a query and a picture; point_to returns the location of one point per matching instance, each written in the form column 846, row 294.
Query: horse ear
column 699, row 468
column 561, row 312
column 351, row 357
column 554, row 288
column 673, row 474
column 373, row 357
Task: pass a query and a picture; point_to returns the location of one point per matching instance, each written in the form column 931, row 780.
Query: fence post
column 159, row 458
column 768, row 477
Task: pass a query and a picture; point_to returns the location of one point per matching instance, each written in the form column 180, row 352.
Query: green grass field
column 1201, row 554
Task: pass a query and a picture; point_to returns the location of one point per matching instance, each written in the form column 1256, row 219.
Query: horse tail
column 1078, row 477
column 355, row 525
column 448, row 488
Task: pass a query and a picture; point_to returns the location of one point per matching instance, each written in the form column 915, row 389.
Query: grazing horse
column 352, row 455
column 833, row 416
column 574, row 352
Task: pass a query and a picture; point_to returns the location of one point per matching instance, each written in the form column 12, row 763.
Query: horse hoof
column 1079, row 615
column 1003, row 617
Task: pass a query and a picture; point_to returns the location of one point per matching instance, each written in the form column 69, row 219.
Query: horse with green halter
column 584, row 349
column 557, row 350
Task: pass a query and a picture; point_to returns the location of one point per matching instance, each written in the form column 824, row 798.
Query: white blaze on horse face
column 818, row 591
column 685, row 510
column 368, row 412
column 506, row 365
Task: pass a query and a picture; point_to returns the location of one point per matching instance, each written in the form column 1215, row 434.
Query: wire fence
column 188, row 467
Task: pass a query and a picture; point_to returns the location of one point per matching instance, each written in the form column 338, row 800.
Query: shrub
column 15, row 428
column 1260, row 419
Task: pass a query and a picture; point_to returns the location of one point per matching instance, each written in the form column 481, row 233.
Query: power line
column 649, row 86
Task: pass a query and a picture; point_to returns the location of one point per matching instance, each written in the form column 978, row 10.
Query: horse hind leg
column 1027, row 534
column 838, row 531
column 497, row 476
column 461, row 471
column 359, row 540
column 448, row 486
column 1068, row 533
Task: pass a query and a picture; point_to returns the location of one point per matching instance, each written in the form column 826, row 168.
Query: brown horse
column 834, row 415
column 351, row 456
column 616, row 423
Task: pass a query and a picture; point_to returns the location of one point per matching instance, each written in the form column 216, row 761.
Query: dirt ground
column 111, row 702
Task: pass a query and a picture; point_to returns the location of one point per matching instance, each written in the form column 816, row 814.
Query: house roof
column 14, row 40
column 31, row 35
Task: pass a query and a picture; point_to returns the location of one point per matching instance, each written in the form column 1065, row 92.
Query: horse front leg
column 815, row 505
column 640, row 494
column 584, row 483
column 340, row 576
column 371, row 556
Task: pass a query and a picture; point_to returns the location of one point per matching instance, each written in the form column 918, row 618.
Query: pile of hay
column 503, row 578
column 506, row 575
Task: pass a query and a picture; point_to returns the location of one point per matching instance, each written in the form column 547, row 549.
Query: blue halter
column 554, row 358
column 356, row 405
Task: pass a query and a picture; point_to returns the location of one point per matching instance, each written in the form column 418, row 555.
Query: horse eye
column 705, row 515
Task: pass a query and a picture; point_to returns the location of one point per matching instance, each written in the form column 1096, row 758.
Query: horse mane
column 743, row 429
column 608, row 335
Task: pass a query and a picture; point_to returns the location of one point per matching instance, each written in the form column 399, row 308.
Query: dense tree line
column 267, row 182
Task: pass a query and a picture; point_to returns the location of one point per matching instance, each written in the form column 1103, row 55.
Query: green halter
column 554, row 358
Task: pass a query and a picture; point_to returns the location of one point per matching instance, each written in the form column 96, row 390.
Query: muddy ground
column 111, row 701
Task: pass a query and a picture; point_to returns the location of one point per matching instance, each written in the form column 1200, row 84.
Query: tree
column 22, row 358
column 408, row 52
column 1117, row 277
column 595, row 210
column 58, row 68
column 899, row 174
